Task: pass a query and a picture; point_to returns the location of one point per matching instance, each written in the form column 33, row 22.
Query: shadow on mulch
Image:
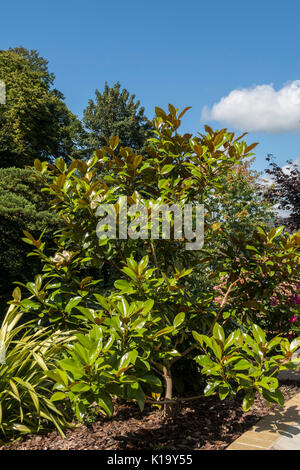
column 203, row 424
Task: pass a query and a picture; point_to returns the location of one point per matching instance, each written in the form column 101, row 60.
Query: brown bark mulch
column 203, row 424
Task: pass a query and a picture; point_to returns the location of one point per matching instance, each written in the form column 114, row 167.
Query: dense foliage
column 26, row 354
column 23, row 206
column 162, row 301
column 141, row 317
column 35, row 121
column 115, row 112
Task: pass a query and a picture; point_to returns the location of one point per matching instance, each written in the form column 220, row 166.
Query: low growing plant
column 244, row 361
column 27, row 353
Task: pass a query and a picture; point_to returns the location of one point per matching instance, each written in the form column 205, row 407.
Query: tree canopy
column 35, row 121
column 114, row 112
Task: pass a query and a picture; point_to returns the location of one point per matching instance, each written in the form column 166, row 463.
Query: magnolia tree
column 145, row 291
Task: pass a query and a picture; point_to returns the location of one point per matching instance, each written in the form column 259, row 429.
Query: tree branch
column 174, row 400
column 223, row 303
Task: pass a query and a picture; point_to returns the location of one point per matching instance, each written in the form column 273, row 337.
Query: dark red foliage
column 285, row 191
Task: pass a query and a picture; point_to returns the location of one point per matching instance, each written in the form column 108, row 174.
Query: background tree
column 114, row 112
column 35, row 121
column 37, row 63
column 23, row 206
column 243, row 205
column 285, row 191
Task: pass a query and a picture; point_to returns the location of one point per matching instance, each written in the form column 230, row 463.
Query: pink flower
column 293, row 319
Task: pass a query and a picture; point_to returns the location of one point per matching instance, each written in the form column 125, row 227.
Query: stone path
column 280, row 430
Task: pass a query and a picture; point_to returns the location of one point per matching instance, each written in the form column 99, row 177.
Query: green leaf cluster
column 245, row 361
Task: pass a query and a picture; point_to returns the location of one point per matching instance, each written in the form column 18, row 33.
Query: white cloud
column 297, row 161
column 259, row 109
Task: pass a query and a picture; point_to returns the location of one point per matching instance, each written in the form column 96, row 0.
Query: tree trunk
column 169, row 408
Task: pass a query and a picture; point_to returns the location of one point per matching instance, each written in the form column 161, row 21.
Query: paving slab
column 287, row 443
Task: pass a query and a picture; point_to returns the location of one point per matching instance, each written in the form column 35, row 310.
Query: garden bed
column 203, row 424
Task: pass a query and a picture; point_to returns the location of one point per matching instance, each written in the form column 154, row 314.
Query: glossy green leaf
column 259, row 335
column 179, row 319
column 218, row 333
column 224, row 390
column 166, row 169
column 104, row 400
column 204, row 361
column 211, row 387
column 248, row 400
column 57, row 396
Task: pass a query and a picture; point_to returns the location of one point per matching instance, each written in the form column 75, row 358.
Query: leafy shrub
column 111, row 359
column 226, row 284
column 245, row 362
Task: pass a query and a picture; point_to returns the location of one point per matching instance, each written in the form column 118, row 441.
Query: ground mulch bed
column 203, row 424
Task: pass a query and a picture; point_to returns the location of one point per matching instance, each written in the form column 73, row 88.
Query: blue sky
column 188, row 53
